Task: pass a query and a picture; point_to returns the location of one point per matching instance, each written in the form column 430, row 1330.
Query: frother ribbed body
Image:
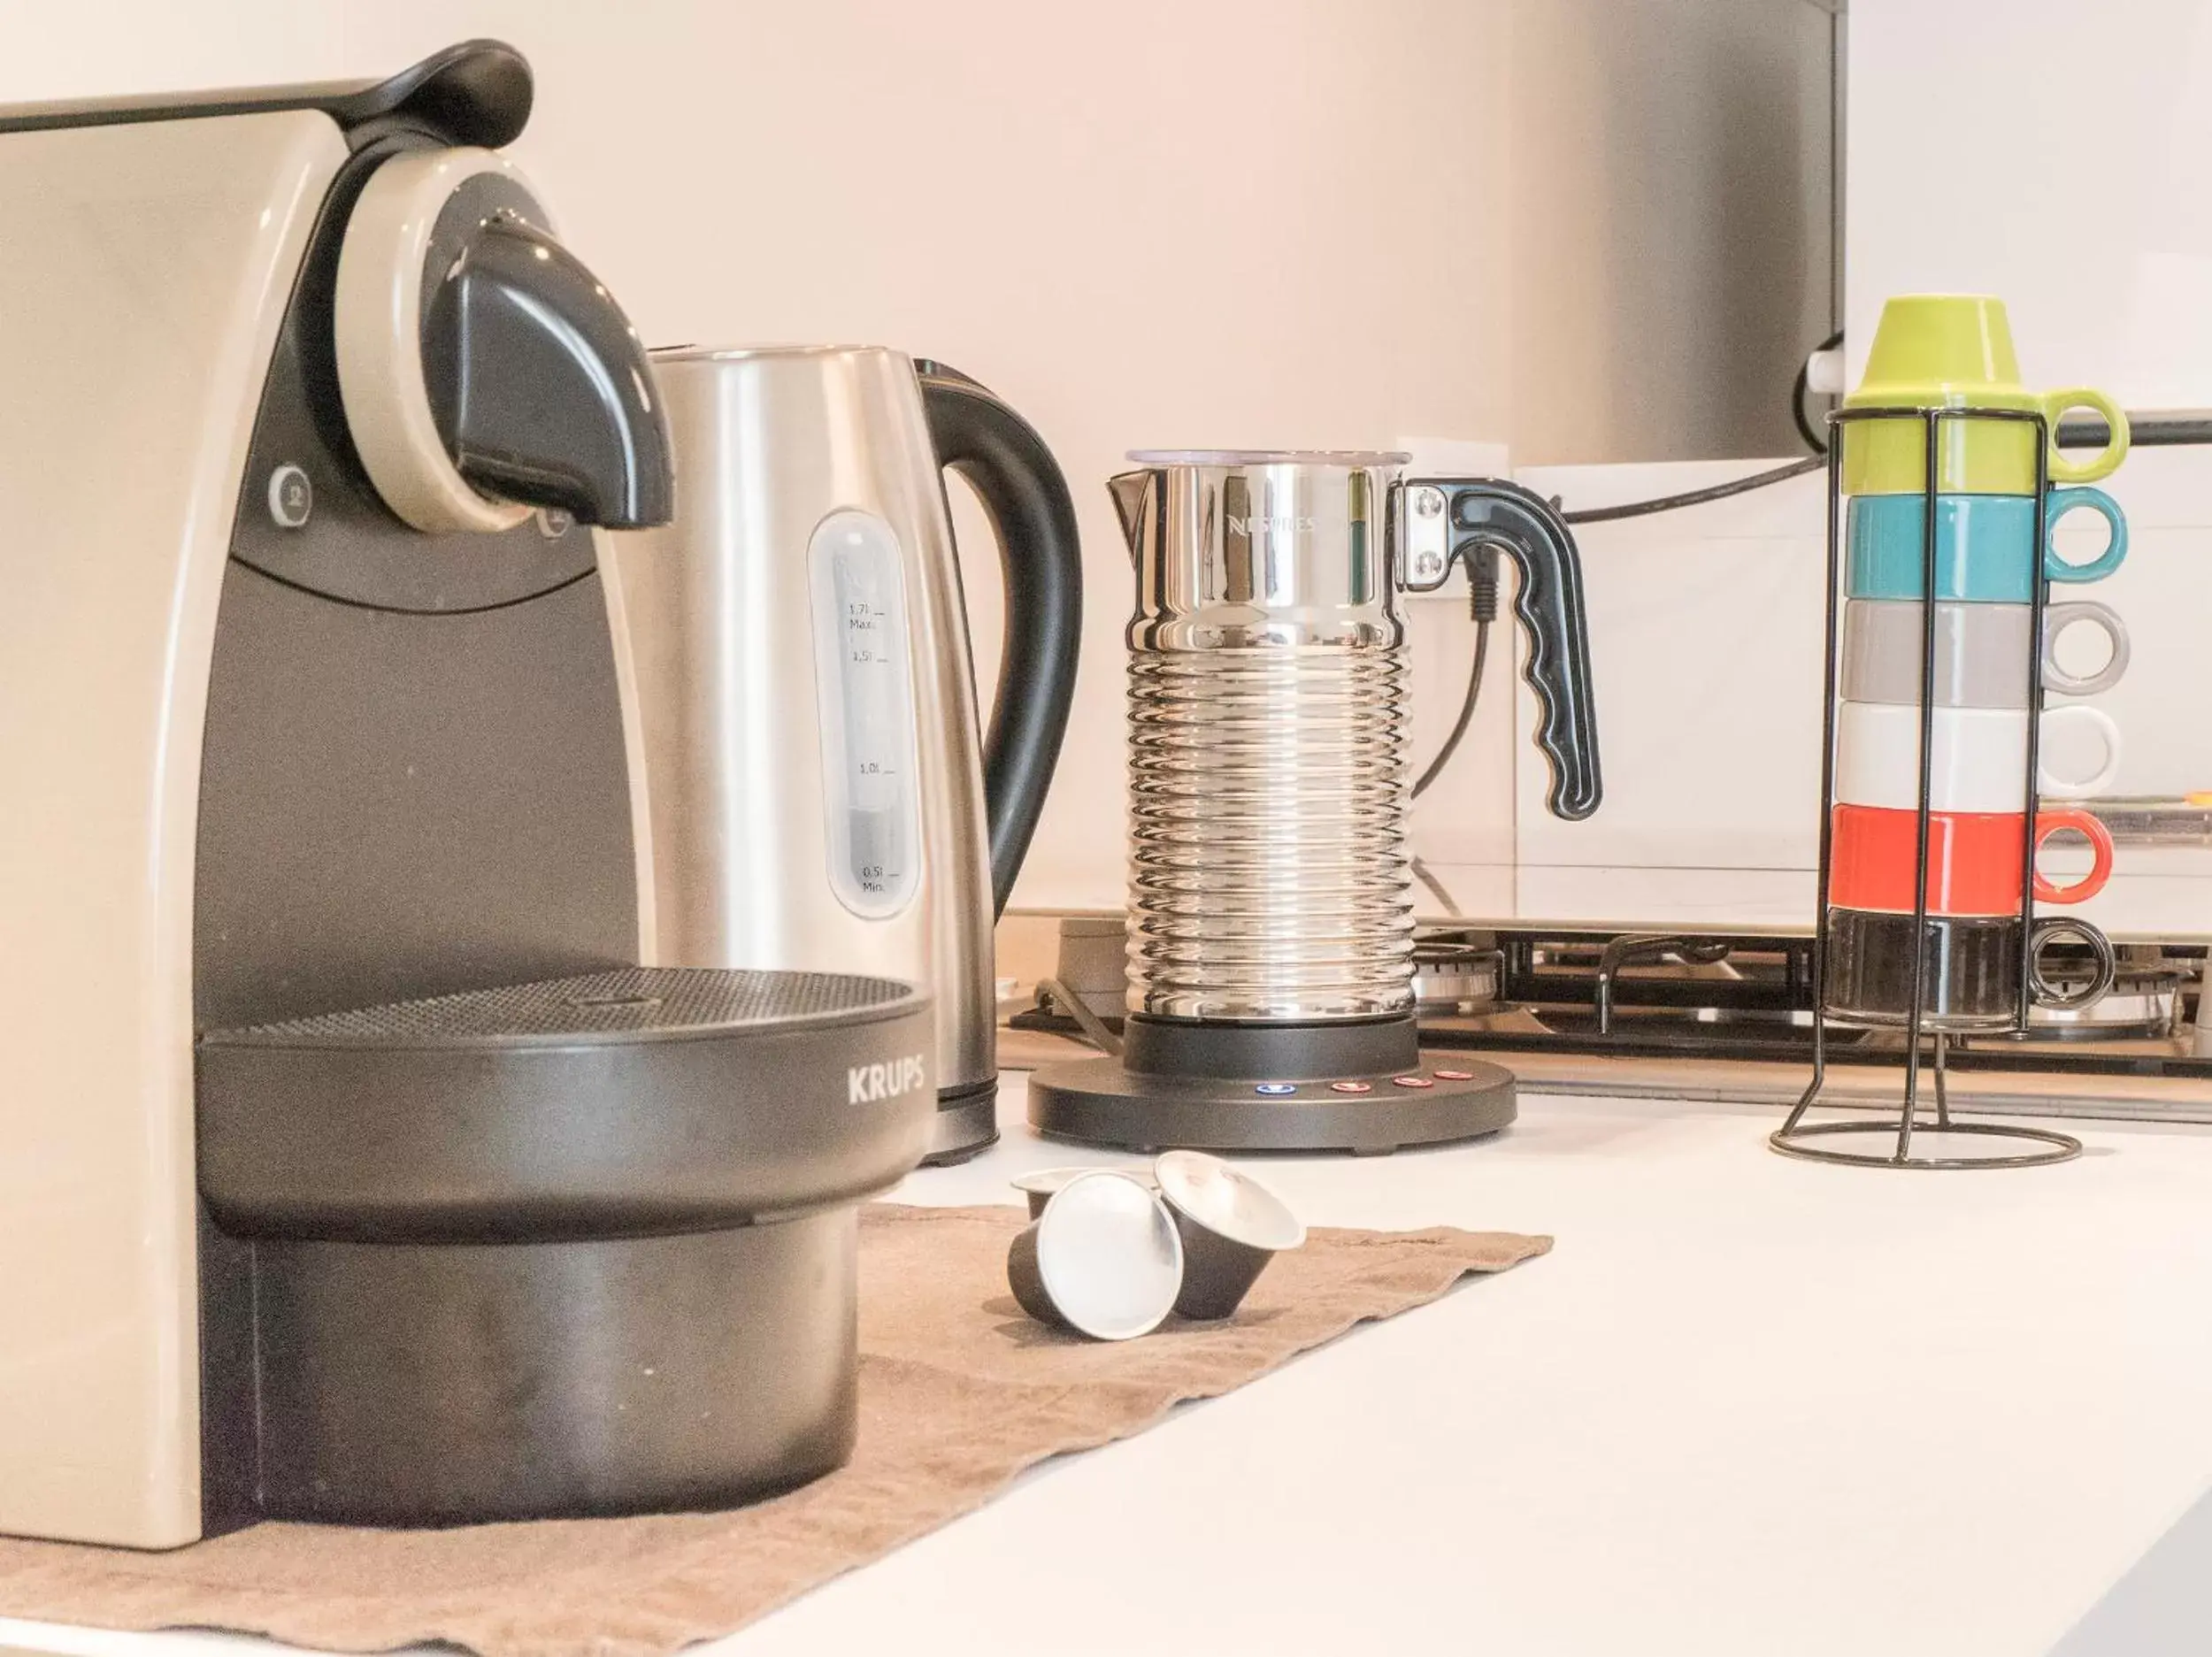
column 1267, row 741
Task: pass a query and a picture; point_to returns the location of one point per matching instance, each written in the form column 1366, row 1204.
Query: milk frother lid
column 1269, row 457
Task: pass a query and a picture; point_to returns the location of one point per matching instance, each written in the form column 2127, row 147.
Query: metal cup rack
column 2011, row 1147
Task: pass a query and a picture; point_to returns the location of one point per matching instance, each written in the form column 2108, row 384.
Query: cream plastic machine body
column 309, row 702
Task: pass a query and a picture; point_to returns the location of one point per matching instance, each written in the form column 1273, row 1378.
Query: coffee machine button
column 1351, row 1087
column 1274, row 1090
column 291, row 496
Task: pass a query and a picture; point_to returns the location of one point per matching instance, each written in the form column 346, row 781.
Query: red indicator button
column 1412, row 1081
column 1454, row 1076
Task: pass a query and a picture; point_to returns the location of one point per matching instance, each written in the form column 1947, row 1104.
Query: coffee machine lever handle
column 540, row 386
column 483, row 369
column 1529, row 530
column 1026, row 497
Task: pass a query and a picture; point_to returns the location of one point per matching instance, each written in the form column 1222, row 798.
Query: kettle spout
column 1131, row 491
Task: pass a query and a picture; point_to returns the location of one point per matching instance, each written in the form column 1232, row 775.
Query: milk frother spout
column 1444, row 520
column 1131, row 490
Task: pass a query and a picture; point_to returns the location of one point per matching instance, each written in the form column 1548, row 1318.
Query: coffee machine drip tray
column 640, row 1100
column 575, row 1246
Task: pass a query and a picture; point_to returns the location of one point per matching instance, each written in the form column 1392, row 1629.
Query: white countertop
column 1748, row 1405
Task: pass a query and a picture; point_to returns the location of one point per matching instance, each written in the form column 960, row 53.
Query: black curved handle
column 1528, row 529
column 1041, row 561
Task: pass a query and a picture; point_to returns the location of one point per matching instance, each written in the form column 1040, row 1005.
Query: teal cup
column 1985, row 544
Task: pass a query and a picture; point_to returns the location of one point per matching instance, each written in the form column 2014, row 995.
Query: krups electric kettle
column 814, row 783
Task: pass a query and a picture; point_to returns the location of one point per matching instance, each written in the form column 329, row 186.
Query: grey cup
column 1231, row 1226
column 1981, row 651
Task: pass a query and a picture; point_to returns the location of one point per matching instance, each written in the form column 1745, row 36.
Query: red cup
column 1973, row 860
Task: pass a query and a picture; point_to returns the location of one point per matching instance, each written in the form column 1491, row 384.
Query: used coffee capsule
column 1104, row 1258
column 1038, row 1184
column 1231, row 1227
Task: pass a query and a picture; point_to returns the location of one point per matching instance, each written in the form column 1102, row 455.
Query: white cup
column 1980, row 757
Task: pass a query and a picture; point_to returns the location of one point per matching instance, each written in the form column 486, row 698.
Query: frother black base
column 1098, row 1101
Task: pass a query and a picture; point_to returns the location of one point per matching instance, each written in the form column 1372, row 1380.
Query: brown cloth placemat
column 959, row 1391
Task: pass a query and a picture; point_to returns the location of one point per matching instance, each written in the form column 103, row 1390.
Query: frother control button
column 1412, row 1081
column 291, row 497
column 1454, row 1076
column 1274, row 1090
column 1351, row 1087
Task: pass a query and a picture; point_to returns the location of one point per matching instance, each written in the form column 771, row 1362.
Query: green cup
column 1955, row 351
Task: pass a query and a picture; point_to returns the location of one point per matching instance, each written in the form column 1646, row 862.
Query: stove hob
column 1711, row 1014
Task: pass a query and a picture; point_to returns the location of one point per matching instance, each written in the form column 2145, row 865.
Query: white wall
column 2085, row 198
column 2088, row 206
column 1575, row 223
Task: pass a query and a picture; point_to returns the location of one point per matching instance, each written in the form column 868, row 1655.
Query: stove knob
column 485, row 373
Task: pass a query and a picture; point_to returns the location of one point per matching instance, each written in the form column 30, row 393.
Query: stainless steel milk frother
column 1270, row 922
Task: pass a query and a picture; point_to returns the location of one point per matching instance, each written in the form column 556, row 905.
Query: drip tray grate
column 641, row 1003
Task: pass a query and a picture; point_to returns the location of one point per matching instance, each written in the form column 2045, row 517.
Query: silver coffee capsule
column 1231, row 1226
column 1038, row 1184
column 1104, row 1259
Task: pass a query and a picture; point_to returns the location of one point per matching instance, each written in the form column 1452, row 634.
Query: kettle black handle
column 1528, row 529
column 1041, row 561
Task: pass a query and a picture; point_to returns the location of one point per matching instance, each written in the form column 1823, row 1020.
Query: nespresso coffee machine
column 349, row 1169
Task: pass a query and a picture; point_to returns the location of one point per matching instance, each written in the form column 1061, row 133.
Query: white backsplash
column 1706, row 632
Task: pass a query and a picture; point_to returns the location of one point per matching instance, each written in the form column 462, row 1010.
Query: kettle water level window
column 867, row 697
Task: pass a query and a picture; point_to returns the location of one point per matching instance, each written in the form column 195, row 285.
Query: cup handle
column 2107, row 460
column 2050, row 823
column 2056, row 619
column 2084, row 786
column 2057, row 505
column 2046, row 993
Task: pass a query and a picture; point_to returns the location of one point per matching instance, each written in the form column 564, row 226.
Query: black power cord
column 1696, row 497
column 1482, row 604
column 1741, row 486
